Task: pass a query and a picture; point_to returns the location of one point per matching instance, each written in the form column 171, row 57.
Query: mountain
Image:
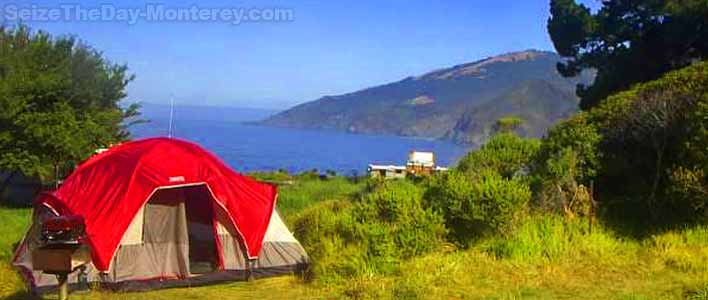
column 459, row 103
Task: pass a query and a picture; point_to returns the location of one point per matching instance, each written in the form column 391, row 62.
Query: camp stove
column 63, row 230
column 62, row 251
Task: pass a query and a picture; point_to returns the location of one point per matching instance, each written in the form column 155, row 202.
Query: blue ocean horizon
column 246, row 147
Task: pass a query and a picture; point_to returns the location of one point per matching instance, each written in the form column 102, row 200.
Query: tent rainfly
column 164, row 212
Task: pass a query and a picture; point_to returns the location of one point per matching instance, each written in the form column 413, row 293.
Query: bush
column 644, row 148
column 370, row 235
column 568, row 160
column 317, row 230
column 477, row 205
column 398, row 205
column 575, row 135
column 689, row 188
column 653, row 135
column 505, row 153
column 558, row 187
column 687, row 181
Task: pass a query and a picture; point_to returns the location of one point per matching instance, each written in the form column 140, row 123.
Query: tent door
column 200, row 230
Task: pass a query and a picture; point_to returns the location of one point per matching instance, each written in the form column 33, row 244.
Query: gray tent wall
column 155, row 250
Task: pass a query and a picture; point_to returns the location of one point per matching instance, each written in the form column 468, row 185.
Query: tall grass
column 685, row 249
column 303, row 193
column 700, row 293
column 551, row 238
column 552, row 258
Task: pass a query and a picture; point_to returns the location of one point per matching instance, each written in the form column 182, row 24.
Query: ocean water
column 259, row 148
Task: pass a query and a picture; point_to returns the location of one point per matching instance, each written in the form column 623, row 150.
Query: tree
column 60, row 100
column 627, row 41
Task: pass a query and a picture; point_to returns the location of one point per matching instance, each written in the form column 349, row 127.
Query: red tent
column 110, row 188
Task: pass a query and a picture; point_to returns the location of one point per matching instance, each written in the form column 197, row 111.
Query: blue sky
column 328, row 48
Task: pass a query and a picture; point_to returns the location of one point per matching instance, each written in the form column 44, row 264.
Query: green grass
column 14, row 224
column 302, row 193
column 271, row 288
column 474, row 274
column 547, row 257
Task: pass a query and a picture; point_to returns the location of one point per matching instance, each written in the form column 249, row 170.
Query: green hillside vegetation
column 544, row 256
column 516, row 219
column 645, row 149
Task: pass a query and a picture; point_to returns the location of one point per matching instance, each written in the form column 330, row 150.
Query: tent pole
column 250, row 264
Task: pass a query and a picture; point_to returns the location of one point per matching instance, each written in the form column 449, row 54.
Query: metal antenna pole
column 172, row 112
column 63, row 286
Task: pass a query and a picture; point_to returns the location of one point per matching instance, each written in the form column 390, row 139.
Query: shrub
column 568, row 160
column 398, row 206
column 558, row 188
column 505, row 153
column 479, row 204
column 317, row 230
column 687, row 181
column 370, row 235
column 644, row 147
column 575, row 135
column 689, row 188
column 654, row 144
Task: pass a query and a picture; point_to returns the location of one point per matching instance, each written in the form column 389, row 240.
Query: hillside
column 459, row 103
column 539, row 103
